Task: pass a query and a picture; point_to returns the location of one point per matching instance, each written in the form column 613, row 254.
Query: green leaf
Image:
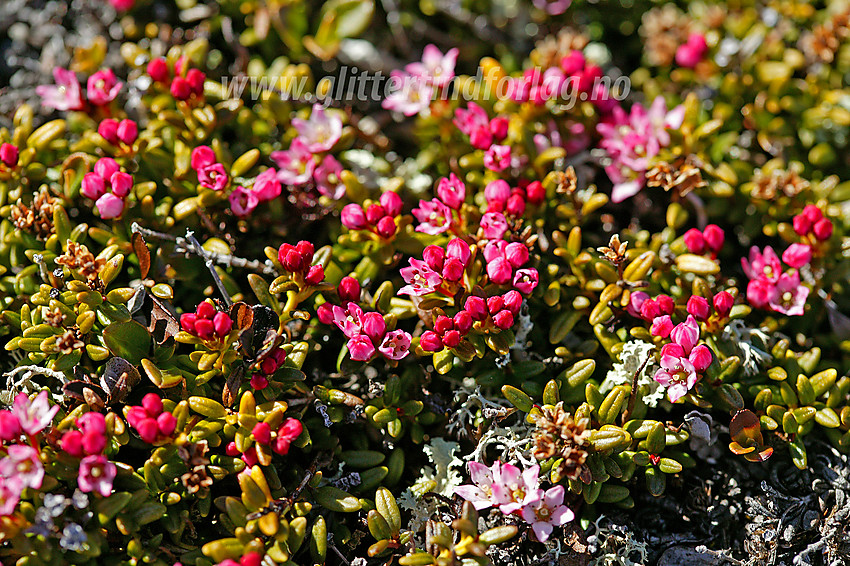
column 129, row 340
column 334, row 499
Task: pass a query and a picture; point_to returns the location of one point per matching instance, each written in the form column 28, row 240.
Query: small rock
column 685, row 556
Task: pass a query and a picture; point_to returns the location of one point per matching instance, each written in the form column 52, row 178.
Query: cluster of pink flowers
column 368, row 335
column 769, row 286
column 101, row 88
column 631, row 140
column 88, row 443
column 415, row 87
column 211, row 173
column 298, row 164
column 494, row 313
column 267, row 367
column 504, row 265
column 247, row 559
column 206, row 323
column 516, row 491
column 108, row 186
column 21, row 466
column 441, row 214
column 186, row 84
column 812, row 225
column 682, row 360
column 153, row 423
column 689, row 54
column 482, row 131
column 126, row 131
column 710, row 240
column 441, row 271
column 504, row 202
column 266, row 187
column 378, row 218
column 298, row 261
column 279, row 440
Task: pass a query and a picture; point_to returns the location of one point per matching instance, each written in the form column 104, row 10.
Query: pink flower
column 499, row 270
column 498, row 157
column 395, row 345
column 497, row 193
column 327, row 178
column 34, row 415
column 451, row 191
column 353, row 217
column 677, row 374
column 760, row 292
column 790, row 296
column 361, row 348
column 121, row 183
column 296, row 164
column 408, row 94
column 513, row 490
column 202, row 157
column 24, row 464
column 692, row 52
column 65, row 94
column 764, row 266
column 434, row 217
column 102, row 87
column 525, row 280
column 106, row 167
column 480, row 493
column 517, row 254
column 243, row 201
column 349, row 319
column 93, row 186
column 553, row 8
column 662, row 326
column 213, row 177
column 266, row 186
column 420, row 279
column 109, row 206
column 435, row 68
column 494, row 225
column 797, row 255
column 548, row 512
column 122, row 5
column 96, row 474
column 458, row 249
column 320, row 132
column 475, row 123
column 686, row 334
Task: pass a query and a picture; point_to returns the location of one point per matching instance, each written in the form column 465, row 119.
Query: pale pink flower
column 296, row 164
column 677, row 374
column 548, row 512
column 243, row 201
column 320, row 132
column 23, row 463
column 553, row 7
column 66, row 94
column 762, row 265
column 395, row 345
column 109, row 206
column 96, row 474
column 498, row 157
column 525, row 280
column 790, row 296
column 266, row 186
column 10, row 494
column 451, row 191
column 420, row 279
column 435, row 68
column 494, row 225
column 480, row 493
column 797, row 255
column 434, row 217
column 349, row 319
column 409, row 94
column 327, row 178
column 514, row 489
column 102, row 87
column 475, row 123
column 34, row 415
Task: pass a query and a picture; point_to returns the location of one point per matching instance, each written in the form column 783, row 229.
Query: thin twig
column 38, row 370
column 210, row 263
column 633, row 393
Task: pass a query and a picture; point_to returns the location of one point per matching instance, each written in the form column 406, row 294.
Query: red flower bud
column 152, row 404
column 495, row 304
column 476, row 307
column 536, row 192
column 513, row 301
column 452, row 270
column 516, row 254
column 462, row 321
column 516, row 205
column 315, row 275
column 128, row 131
column 349, row 290
column 695, row 241
column 325, row 313
column 148, row 430
column 205, row 309
column 158, row 70
column 503, row 320
column 166, row 423
column 259, row 382
column 72, row 443
column 812, row 213
column 822, row 229
column 699, row 307
column 714, row 237
column 204, row 328
column 374, row 213
column 196, row 79
column 262, row 433
column 434, row 257
column 386, row 227
column 723, row 302
column 353, row 217
column 701, row 357
column 187, row 322
column 391, row 203
column 665, row 304
column 374, row 326
column 802, row 225
column 222, row 324
column 443, row 324
column 180, row 88
column 451, row 338
column 430, row 341
column 108, row 130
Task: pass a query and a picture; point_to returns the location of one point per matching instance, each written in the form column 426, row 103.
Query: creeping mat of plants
column 424, row 282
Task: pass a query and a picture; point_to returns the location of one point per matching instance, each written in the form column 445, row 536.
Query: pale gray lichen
column 753, row 343
column 441, row 479
column 632, row 356
column 511, row 442
column 614, row 545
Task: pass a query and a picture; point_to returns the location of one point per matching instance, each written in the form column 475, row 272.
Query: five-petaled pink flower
column 434, row 217
column 320, row 132
column 66, row 94
column 23, row 463
column 515, row 488
column 436, row 69
column 296, row 164
column 420, row 279
column 96, row 474
column 34, row 416
column 548, row 512
column 102, row 87
column 480, row 493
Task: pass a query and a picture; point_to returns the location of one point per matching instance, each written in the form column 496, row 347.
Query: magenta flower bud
column 374, row 213
column 672, row 349
column 665, row 304
column 128, row 131
column 517, row 254
column 94, row 442
column 71, row 442
column 9, row 154
column 513, row 301
column 386, row 227
column 649, row 309
column 434, row 257
column 499, row 127
column 222, row 324
column 516, row 205
column 451, row 338
column 259, row 382
column 121, row 183
column 315, row 275
column 10, row 427
column 204, row 328
column 462, row 321
column 573, row 62
column 701, row 357
column 662, row 326
column 481, row 138
column 476, row 307
column 152, row 404
column 822, row 229
column 536, row 192
column 268, row 366
column 714, row 237
column 451, row 191
column 349, row 290
column 148, row 430
column 108, row 130
column 231, row 450
column 695, row 241
column 497, row 191
column 93, row 186
column 759, row 292
column 109, row 206
column 797, row 255
column 166, row 423
column 361, row 348
column 443, row 324
column 802, row 224
column 374, row 326
column 499, row 271
column 262, row 433
column 430, row 341
column 391, row 203
column 812, row 213
column 458, row 249
column 353, row 217
column 503, row 320
column 92, row 422
column 699, row 307
column 181, row 89
column 452, row 270
column 205, row 309
column 135, row 415
column 636, row 299
column 723, row 302
column 196, row 79
column 158, row 70
column 106, row 167
column 495, row 304
column 292, row 260
column 306, row 249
